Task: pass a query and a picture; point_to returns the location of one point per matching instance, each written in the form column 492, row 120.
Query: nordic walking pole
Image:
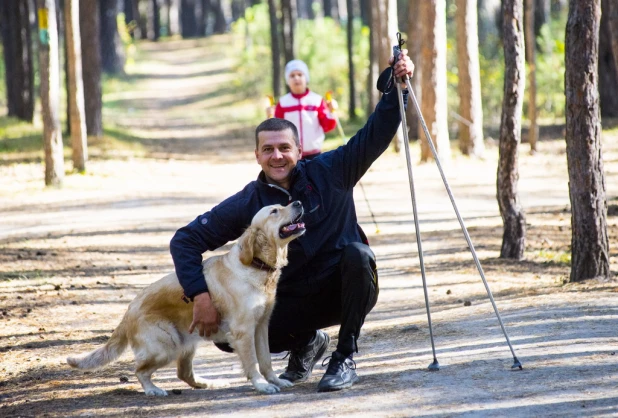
column 329, row 98
column 434, row 366
column 516, row 363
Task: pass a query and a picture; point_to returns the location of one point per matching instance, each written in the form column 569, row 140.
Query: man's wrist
column 200, row 295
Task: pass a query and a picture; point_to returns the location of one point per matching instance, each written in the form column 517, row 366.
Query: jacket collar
column 300, row 96
column 296, row 180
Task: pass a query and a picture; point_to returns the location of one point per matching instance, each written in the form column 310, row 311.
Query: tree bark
column 75, row 88
column 49, row 69
column 433, row 68
column 376, row 19
column 589, row 241
column 288, row 25
column 611, row 11
column 112, row 51
column 274, row 47
column 514, row 236
column 221, row 15
column 133, row 19
column 331, row 9
column 530, row 41
column 608, row 72
column 154, row 20
column 91, row 66
column 188, row 22
column 19, row 74
column 414, row 49
column 469, row 86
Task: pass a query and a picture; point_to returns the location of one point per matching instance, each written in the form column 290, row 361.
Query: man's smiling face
column 278, row 154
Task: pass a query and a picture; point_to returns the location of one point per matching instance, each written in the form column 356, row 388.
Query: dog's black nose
column 297, row 203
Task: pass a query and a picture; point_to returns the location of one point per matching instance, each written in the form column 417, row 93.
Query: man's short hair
column 276, row 125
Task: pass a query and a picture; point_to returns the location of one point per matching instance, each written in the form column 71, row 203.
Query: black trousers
column 347, row 297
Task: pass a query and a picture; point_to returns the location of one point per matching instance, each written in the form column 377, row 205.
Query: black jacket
column 324, row 186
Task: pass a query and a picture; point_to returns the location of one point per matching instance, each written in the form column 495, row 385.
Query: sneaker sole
column 338, row 388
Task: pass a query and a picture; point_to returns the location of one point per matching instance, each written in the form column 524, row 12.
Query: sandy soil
column 72, row 259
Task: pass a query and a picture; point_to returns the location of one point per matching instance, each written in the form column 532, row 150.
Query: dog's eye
column 274, row 211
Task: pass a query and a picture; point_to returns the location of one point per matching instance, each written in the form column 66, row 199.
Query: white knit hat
column 296, row 65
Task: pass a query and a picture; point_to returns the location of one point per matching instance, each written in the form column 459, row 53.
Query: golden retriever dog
column 242, row 286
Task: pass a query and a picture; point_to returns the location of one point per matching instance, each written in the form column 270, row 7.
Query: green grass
column 17, row 136
column 553, row 257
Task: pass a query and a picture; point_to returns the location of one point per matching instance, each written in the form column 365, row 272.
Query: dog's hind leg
column 153, row 350
column 263, row 354
column 185, row 373
column 145, row 370
column 244, row 345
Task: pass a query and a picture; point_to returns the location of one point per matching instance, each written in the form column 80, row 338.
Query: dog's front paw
column 267, row 388
column 156, row 392
column 282, row 383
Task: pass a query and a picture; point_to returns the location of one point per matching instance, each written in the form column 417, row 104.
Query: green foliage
column 321, row 43
column 550, row 70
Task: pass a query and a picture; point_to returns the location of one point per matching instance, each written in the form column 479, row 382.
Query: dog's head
column 272, row 228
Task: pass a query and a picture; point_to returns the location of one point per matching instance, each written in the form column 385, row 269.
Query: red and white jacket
column 311, row 116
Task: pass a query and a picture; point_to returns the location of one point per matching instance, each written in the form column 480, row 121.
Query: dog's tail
column 112, row 349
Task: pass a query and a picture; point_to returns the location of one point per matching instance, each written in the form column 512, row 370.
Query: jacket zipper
column 283, row 190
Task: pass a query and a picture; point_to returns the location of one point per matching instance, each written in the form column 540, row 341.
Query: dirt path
column 72, row 259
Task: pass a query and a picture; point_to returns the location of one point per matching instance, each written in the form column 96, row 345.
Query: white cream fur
column 157, row 321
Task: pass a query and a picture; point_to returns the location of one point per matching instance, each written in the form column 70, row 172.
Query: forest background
column 182, row 86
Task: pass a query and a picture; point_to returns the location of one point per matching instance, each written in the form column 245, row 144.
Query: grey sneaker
column 303, row 360
column 341, row 373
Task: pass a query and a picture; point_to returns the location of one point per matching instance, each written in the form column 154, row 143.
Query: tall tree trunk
column 611, row 11
column 530, row 40
column 365, row 11
column 112, row 51
column 514, row 237
column 188, row 22
column 414, row 49
column 608, row 73
column 374, row 48
column 19, row 74
column 274, row 47
column 488, row 13
column 89, row 16
column 351, row 73
column 389, row 38
column 288, row 25
column 469, row 86
column 589, row 242
column 49, row 69
column 173, row 17
column 133, row 19
column 542, row 15
column 433, row 67
column 221, row 15
column 331, row 9
column 201, row 14
column 154, row 20
column 75, row 88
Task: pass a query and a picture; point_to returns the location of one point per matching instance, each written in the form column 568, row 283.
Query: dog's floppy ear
column 246, row 246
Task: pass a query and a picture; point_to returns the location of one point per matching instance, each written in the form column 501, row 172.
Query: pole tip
column 435, row 366
column 516, row 365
